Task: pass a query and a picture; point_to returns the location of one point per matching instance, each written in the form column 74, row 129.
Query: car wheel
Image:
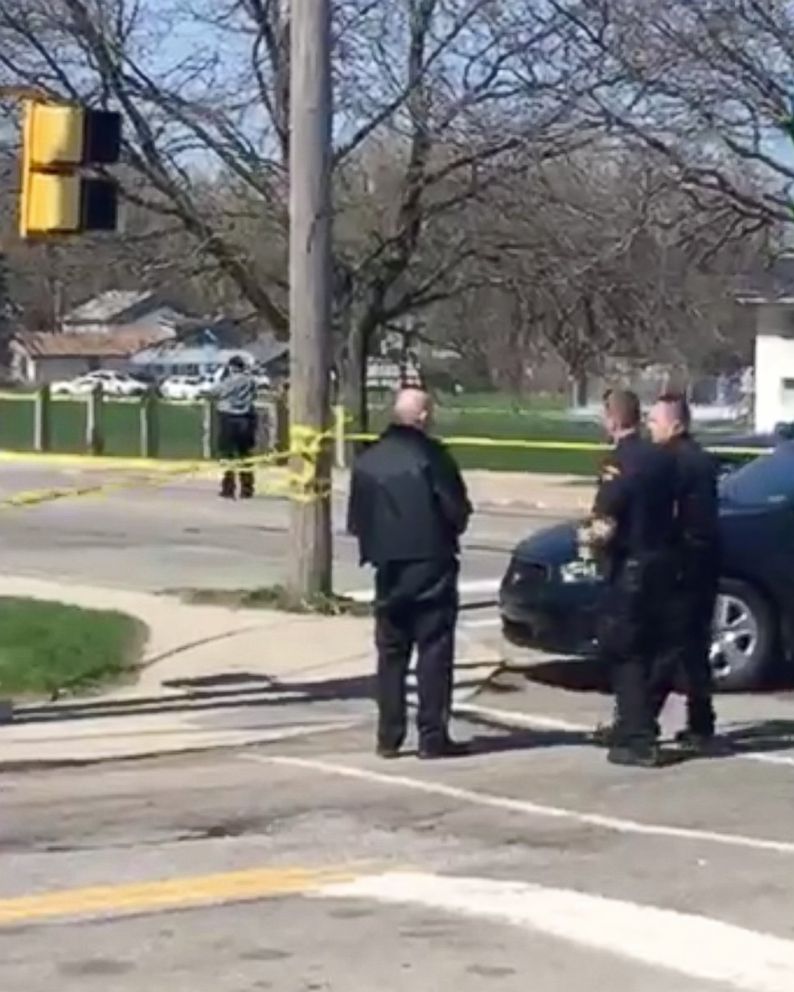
column 743, row 639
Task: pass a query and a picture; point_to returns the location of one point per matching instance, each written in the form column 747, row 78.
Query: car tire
column 743, row 611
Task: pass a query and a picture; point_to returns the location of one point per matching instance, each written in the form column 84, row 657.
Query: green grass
column 480, row 415
column 489, row 416
column 49, row 649
column 505, row 403
column 523, row 425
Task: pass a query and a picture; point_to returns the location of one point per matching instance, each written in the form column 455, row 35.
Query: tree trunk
column 354, row 372
column 580, row 384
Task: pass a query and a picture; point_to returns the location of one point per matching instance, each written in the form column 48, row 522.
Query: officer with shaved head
column 408, row 509
column 685, row 649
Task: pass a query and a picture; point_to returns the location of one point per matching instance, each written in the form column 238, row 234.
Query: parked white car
column 186, row 387
column 112, row 383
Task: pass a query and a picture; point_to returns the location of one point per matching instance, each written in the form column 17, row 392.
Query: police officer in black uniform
column 408, row 508
column 236, row 399
column 632, row 526
column 687, row 644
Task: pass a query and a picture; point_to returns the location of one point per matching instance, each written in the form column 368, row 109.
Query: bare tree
column 598, row 255
column 439, row 85
column 706, row 85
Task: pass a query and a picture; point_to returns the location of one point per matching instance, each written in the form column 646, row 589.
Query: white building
column 772, row 300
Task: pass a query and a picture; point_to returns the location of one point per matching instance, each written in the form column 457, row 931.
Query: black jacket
column 637, row 490
column 697, row 506
column 408, row 501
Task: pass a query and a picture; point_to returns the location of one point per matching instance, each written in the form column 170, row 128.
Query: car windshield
column 768, row 479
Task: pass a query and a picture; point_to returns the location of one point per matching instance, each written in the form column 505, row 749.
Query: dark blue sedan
column 549, row 597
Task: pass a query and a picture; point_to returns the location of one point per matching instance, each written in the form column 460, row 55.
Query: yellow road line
column 179, row 893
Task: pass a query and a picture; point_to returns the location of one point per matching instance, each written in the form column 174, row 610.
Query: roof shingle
column 121, row 344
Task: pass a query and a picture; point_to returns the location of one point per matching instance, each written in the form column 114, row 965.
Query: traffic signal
column 61, row 144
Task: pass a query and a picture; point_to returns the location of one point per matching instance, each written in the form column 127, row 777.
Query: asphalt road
column 310, row 865
column 182, row 535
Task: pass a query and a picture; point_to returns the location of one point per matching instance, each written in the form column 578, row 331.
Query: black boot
column 228, row 486
column 445, row 748
column 246, row 485
column 702, row 745
column 639, row 755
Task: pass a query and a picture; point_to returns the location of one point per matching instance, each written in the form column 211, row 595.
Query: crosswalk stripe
column 488, row 800
column 696, row 946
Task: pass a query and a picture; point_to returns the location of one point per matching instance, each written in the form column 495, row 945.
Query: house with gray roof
column 114, row 309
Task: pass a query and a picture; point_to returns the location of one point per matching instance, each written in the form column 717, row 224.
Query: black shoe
column 247, row 485
column 604, row 735
column 388, row 753
column 446, row 749
column 637, row 756
column 228, row 486
column 706, row 745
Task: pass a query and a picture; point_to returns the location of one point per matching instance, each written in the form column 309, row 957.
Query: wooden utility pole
column 310, row 286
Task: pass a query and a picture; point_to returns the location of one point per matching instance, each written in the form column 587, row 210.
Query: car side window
column 766, row 481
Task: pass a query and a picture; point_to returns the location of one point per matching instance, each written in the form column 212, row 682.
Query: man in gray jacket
column 236, row 399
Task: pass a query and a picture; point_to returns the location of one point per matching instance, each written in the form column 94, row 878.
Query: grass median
column 50, row 649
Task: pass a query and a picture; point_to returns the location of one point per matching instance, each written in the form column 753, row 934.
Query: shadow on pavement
column 572, row 674
column 520, row 740
column 760, row 738
column 764, row 737
column 256, row 691
column 592, row 675
column 211, row 694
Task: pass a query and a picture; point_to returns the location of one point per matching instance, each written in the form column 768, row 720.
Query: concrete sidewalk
column 212, row 677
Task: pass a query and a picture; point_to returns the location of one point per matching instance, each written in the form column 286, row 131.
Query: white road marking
column 486, row 799
column 481, row 624
column 768, row 759
column 474, row 586
column 515, row 718
column 466, row 587
column 534, row 721
column 695, row 946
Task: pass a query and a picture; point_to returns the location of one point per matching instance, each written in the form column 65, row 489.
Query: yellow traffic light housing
column 60, row 142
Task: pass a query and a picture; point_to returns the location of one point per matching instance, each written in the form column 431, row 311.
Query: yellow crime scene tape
column 521, row 445
column 299, row 482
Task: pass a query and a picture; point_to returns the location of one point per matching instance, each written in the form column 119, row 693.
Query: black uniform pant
column 630, row 622
column 416, row 605
column 685, row 653
column 236, row 440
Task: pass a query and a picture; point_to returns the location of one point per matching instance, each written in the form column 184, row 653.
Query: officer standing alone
column 408, row 508
column 236, row 399
column 632, row 528
column 691, row 606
